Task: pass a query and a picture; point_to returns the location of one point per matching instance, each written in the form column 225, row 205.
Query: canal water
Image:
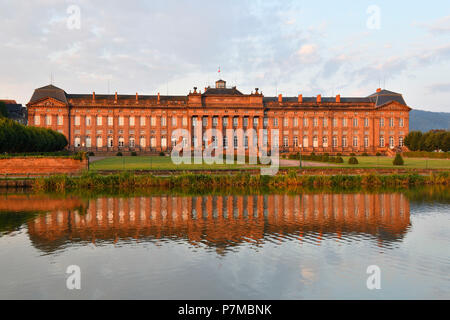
column 285, row 246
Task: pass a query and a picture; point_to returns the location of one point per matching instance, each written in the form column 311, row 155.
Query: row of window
column 215, row 121
column 286, row 143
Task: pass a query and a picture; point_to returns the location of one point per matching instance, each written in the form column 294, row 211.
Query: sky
column 287, row 47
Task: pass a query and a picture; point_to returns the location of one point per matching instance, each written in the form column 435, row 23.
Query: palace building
column 144, row 123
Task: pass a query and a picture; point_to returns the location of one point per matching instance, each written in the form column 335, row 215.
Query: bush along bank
column 129, row 181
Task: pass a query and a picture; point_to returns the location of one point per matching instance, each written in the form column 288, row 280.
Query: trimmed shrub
column 91, row 154
column 353, row 160
column 365, row 154
column 398, row 161
column 162, row 154
column 378, row 154
column 134, row 154
column 352, row 155
column 119, row 154
column 339, row 160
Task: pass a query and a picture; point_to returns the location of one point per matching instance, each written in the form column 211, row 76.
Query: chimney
column 319, row 98
column 195, row 90
column 300, row 98
column 158, row 98
column 93, row 96
column 115, row 98
column 137, row 97
column 256, row 90
column 280, row 98
column 378, row 90
column 338, row 98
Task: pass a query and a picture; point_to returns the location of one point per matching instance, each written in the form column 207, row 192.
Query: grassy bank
column 129, row 181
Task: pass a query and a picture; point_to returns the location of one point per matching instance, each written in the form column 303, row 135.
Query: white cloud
column 308, row 53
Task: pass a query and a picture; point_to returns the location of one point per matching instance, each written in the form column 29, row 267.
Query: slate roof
column 378, row 98
column 386, row 96
column 222, row 92
column 49, row 91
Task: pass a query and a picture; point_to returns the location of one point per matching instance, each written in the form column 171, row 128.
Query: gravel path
column 296, row 163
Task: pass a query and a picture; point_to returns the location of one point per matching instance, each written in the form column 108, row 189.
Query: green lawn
column 386, row 162
column 165, row 163
column 156, row 163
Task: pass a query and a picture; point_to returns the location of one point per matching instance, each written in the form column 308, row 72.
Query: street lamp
column 300, row 153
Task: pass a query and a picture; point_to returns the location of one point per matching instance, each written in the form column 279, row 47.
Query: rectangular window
column 381, row 122
column 205, row 121
column 295, row 122
column 325, row 122
column 185, row 122
column 315, row 122
column 255, row 121
column 401, row 123
column 225, row 122
column 344, row 122
column 335, row 122
column 285, row 142
column 265, row 122
column 275, row 122
column 174, row 122
column 366, row 142
column 121, row 121
column 48, row 120
column 163, row 122
column 335, row 142
column 88, row 121
column 110, row 121
column 235, row 121
column 344, row 142
column 77, row 120
column 99, row 120
column 131, row 121
column 382, row 142
column 60, row 120
column 286, row 122
column 355, row 141
column 305, row 122
column 37, row 120
column 366, row 122
column 296, row 142
column 245, row 122
column 142, row 121
column 194, row 121
column 355, row 122
column 153, row 121
column 391, row 122
column 215, row 121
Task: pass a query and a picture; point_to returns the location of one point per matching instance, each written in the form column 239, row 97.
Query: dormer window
column 221, row 84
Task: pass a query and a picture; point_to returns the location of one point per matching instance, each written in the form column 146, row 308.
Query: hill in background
column 425, row 120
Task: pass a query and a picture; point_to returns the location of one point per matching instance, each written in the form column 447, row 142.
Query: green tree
column 17, row 138
column 3, row 110
column 412, row 140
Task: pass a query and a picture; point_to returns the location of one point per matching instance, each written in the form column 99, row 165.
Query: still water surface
column 306, row 246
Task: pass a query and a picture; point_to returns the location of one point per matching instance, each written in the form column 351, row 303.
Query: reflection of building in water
column 223, row 221
column 27, row 203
